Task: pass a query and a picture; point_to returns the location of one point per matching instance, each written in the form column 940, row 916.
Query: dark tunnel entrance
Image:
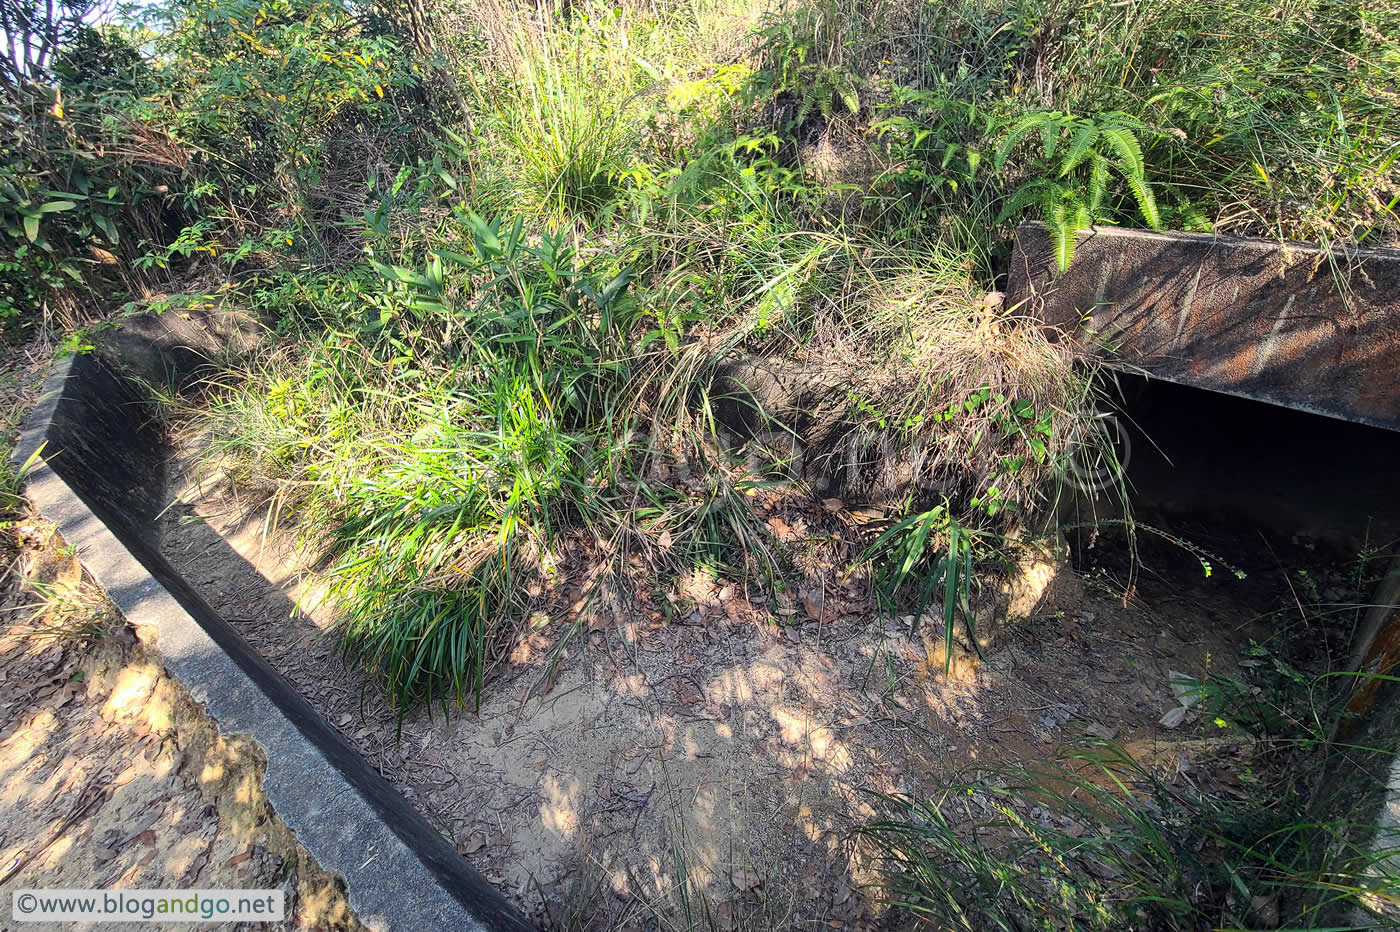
column 1281, row 471
column 1243, row 509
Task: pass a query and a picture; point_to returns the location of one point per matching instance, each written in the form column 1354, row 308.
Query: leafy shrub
column 1247, row 116
column 69, row 186
column 254, row 92
column 210, row 141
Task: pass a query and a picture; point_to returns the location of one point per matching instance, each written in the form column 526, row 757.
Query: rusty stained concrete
column 1289, row 324
column 1376, row 652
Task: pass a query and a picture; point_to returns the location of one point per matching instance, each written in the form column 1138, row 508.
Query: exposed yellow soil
column 111, row 776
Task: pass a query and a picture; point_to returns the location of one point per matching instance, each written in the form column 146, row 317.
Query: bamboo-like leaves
column 935, row 546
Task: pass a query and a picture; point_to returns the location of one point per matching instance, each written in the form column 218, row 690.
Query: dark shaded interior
column 1288, row 473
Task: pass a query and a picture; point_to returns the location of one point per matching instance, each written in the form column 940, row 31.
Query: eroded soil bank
column 111, row 775
column 623, row 766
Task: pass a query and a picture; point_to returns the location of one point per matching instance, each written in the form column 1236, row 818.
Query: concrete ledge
column 97, row 477
column 1290, row 324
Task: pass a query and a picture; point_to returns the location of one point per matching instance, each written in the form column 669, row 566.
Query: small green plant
column 935, row 142
column 807, row 66
column 928, row 550
column 11, row 485
column 12, row 502
column 1069, row 179
column 78, row 612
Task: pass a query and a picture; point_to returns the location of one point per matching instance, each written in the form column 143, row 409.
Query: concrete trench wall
column 1290, row 324
column 98, row 471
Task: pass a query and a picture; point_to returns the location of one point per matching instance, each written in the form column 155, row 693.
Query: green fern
column 1098, row 183
column 821, row 89
column 1125, row 144
column 1063, row 237
column 1019, row 131
column 1146, row 202
column 1031, row 193
column 1050, row 135
column 845, row 86
column 1084, row 139
column 796, row 69
column 1073, row 191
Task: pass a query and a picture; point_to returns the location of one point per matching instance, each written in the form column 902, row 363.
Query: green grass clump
column 561, row 113
column 432, row 451
column 1108, row 843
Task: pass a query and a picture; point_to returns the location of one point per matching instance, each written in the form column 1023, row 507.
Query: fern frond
column 1066, row 238
column 1018, row 132
column 804, row 108
column 1098, row 182
column 1146, row 201
column 1052, row 206
column 1050, row 134
column 1193, row 219
column 1127, row 121
column 1062, row 231
column 1080, row 219
column 847, row 90
column 1125, row 145
column 1084, row 139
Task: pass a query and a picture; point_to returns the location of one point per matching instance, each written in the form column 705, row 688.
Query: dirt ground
column 624, row 767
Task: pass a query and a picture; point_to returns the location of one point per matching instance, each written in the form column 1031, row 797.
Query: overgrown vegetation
column 1240, row 117
column 506, row 255
column 1107, row 843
